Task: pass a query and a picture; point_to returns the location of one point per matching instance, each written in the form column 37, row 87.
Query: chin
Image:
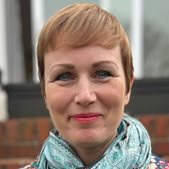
column 87, row 139
column 86, row 144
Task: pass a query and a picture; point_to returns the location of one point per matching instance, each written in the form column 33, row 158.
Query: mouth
column 86, row 117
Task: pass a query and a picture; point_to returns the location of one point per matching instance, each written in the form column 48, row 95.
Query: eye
column 64, row 76
column 101, row 74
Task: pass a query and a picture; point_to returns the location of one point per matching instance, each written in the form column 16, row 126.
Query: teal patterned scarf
column 130, row 150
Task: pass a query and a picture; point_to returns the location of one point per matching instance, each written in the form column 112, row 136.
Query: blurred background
column 24, row 119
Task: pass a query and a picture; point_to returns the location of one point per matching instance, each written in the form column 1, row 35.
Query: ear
column 128, row 94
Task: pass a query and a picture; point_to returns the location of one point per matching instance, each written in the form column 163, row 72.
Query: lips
column 86, row 117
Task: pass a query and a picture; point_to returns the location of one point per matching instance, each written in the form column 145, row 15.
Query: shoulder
column 158, row 163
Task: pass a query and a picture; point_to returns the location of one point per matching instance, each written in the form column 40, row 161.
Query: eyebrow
column 65, row 65
column 95, row 65
column 99, row 63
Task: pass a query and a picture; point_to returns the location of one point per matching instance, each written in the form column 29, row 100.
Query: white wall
column 3, row 61
column 11, row 49
column 3, row 45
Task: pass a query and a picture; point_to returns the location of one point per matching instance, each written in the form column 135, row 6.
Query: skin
column 88, row 80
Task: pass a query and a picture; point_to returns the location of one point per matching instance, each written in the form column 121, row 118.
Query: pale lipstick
column 86, row 117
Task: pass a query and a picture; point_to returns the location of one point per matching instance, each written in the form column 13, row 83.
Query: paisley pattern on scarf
column 130, row 150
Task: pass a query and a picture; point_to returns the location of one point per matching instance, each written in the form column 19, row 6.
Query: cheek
column 114, row 97
column 57, row 102
column 113, row 100
column 55, row 99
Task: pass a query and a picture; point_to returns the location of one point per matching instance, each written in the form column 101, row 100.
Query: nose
column 84, row 93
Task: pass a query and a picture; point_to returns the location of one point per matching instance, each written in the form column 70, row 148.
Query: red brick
column 3, row 166
column 14, row 163
column 27, row 129
column 158, row 128
column 43, row 128
column 162, row 127
column 12, row 166
column 161, row 149
column 22, row 151
column 145, row 120
column 157, row 125
column 12, row 130
column 2, row 132
column 19, row 151
column 150, row 124
column 3, row 151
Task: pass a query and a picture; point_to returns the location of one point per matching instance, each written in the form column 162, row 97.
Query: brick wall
column 21, row 139
column 158, row 128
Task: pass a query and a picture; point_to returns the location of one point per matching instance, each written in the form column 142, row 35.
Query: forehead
column 87, row 53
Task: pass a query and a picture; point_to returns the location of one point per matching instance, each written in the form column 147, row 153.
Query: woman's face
column 85, row 94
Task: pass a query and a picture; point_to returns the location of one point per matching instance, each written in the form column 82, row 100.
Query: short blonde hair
column 81, row 25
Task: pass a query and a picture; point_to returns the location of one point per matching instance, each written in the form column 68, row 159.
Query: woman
column 86, row 75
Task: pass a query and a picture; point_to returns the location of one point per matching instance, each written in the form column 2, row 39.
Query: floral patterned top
column 158, row 163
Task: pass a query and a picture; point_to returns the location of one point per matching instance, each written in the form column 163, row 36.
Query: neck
column 88, row 155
